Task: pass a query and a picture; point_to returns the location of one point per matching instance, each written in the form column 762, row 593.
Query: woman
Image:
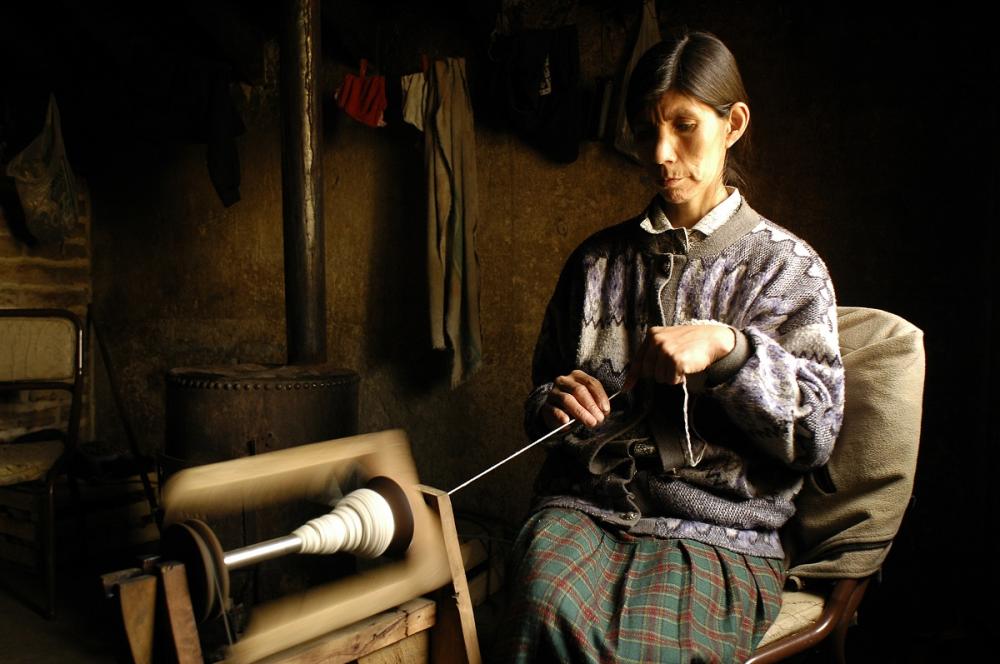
column 655, row 534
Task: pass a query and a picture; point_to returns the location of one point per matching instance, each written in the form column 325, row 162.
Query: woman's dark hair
column 697, row 64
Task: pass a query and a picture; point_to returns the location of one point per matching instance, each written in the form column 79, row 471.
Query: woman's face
column 683, row 141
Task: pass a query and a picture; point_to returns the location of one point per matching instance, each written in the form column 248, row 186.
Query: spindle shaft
column 258, row 553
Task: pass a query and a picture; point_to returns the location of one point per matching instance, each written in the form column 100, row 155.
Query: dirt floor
column 77, row 634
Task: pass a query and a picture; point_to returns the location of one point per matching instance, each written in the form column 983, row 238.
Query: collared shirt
column 656, row 221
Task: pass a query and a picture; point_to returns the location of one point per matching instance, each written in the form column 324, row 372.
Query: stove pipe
column 302, row 183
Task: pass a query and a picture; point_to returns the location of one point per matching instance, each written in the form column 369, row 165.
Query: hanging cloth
column 648, row 36
column 452, row 216
column 45, row 183
column 363, row 98
column 544, row 101
column 414, row 98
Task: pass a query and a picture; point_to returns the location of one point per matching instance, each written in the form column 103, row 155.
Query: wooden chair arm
column 838, row 611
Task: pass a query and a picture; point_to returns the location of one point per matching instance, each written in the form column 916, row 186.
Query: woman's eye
column 685, row 127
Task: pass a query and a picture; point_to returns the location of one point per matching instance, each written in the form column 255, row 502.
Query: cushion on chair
column 37, row 349
column 799, row 611
column 27, row 462
column 847, row 533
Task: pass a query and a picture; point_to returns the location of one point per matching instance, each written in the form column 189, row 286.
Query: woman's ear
column 739, row 120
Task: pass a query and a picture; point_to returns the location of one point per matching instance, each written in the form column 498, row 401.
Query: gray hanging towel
column 452, row 217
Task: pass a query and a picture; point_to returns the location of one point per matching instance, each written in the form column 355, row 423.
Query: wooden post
column 456, row 623
column 179, row 614
column 154, row 615
column 134, row 595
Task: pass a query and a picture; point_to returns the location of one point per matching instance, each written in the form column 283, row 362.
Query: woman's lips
column 666, row 182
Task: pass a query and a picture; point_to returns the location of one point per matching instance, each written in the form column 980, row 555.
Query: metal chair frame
column 70, row 439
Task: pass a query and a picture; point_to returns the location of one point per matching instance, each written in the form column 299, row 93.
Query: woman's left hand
column 667, row 354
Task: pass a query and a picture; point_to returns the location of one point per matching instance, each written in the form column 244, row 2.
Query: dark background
column 875, row 139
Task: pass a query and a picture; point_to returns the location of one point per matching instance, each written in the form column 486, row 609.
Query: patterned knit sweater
column 758, row 419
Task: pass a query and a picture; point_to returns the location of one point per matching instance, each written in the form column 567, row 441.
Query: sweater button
column 665, row 266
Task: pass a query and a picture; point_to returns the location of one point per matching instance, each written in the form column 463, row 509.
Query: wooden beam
column 16, row 552
column 134, row 613
column 484, row 584
column 364, row 637
column 413, row 649
column 179, row 614
column 137, row 599
column 473, row 553
column 454, row 638
column 19, row 528
column 20, row 498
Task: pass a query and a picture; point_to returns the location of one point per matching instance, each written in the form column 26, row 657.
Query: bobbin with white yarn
column 361, row 524
column 367, row 522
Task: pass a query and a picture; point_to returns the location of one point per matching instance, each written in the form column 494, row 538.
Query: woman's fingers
column 653, row 359
column 658, row 357
column 657, row 363
column 667, row 354
column 577, row 404
column 596, row 390
column 590, row 394
column 554, row 417
column 569, row 403
column 580, row 396
column 664, row 365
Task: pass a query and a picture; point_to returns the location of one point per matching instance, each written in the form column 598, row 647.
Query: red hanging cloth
column 363, row 98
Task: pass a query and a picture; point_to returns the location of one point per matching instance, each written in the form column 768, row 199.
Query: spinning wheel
column 393, row 513
column 353, row 527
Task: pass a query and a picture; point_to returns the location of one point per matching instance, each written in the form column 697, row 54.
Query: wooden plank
column 18, row 553
column 473, row 553
column 115, row 544
column 106, row 501
column 363, row 637
column 19, row 528
column 454, row 638
column 413, row 649
column 137, row 602
column 484, row 584
column 112, row 516
column 21, row 498
column 120, row 539
column 19, row 514
column 180, row 616
column 112, row 579
column 95, row 499
column 98, row 490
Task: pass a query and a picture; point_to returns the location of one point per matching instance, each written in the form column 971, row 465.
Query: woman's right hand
column 578, row 395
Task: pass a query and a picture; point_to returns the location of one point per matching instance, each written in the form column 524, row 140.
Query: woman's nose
column 665, row 151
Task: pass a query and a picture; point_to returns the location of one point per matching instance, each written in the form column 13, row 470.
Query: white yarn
column 361, row 524
column 687, row 431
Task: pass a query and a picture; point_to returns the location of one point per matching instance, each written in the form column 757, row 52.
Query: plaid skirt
column 584, row 593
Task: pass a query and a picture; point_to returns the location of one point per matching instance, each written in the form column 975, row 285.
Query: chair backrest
column 42, row 349
column 850, row 510
column 39, row 346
